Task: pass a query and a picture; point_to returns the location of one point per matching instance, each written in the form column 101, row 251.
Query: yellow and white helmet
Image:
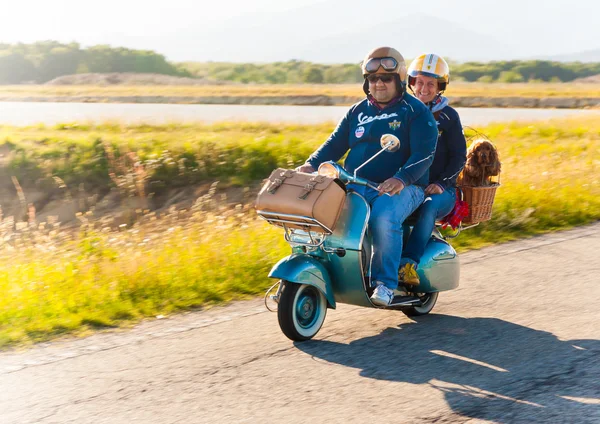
column 430, row 65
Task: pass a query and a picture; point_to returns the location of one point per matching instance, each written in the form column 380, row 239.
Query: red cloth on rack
column 454, row 218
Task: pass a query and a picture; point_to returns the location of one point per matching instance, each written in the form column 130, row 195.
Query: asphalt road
column 519, row 341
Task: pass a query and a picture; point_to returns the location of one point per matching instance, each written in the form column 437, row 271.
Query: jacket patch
column 395, row 124
column 359, row 132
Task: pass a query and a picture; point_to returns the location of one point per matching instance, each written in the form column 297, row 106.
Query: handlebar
column 332, row 169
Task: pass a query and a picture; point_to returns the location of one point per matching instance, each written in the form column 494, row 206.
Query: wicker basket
column 480, row 200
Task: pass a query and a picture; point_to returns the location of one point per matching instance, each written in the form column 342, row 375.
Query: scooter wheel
column 427, row 303
column 301, row 310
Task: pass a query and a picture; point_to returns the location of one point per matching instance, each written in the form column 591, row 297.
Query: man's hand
column 305, row 168
column 391, row 186
column 433, row 189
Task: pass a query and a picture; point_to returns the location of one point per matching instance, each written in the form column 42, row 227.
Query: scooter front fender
column 304, row 269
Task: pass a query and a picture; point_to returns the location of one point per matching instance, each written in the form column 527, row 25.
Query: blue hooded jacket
column 451, row 151
column 360, row 130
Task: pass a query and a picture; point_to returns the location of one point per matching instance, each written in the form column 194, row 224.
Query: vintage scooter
column 326, row 268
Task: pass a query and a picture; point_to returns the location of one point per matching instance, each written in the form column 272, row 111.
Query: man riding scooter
column 401, row 175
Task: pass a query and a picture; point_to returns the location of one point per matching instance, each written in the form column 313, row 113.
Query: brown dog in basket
column 482, row 163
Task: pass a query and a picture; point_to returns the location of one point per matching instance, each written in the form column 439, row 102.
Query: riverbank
column 319, row 100
column 533, row 95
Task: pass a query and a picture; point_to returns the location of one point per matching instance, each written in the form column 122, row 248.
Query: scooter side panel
column 346, row 271
column 305, row 269
column 348, row 284
column 351, row 225
column 439, row 269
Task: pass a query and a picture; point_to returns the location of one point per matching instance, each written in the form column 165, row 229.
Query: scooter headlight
column 328, row 169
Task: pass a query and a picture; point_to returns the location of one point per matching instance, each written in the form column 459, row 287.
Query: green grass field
column 55, row 281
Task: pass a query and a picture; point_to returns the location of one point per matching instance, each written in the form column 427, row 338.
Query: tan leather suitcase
column 300, row 200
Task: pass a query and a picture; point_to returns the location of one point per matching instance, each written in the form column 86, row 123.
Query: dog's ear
column 495, row 165
column 470, row 160
column 470, row 153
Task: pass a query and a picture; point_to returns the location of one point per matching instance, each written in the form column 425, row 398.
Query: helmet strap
column 400, row 86
column 366, row 87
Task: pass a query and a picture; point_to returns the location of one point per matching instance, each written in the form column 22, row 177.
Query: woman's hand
column 433, row 189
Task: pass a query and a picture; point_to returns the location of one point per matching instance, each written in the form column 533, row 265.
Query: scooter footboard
column 304, row 269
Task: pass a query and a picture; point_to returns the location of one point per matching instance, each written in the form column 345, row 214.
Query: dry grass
column 55, row 281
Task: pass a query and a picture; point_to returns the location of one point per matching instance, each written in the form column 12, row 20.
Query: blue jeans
column 434, row 207
column 385, row 224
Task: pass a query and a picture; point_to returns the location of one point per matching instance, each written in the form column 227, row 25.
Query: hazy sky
column 94, row 20
column 199, row 30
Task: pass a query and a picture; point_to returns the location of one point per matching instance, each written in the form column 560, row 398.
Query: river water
column 27, row 113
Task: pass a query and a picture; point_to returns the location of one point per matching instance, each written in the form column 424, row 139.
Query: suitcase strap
column 278, row 181
column 311, row 186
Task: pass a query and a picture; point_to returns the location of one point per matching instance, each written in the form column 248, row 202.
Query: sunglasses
column 387, row 63
column 385, row 78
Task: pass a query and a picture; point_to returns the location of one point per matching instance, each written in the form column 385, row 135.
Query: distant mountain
column 276, row 38
column 413, row 35
column 585, row 56
column 334, row 31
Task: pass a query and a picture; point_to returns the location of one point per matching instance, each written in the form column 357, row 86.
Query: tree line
column 290, row 72
column 295, row 72
column 523, row 71
column 43, row 61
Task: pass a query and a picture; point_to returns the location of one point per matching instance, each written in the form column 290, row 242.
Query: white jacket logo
column 366, row 119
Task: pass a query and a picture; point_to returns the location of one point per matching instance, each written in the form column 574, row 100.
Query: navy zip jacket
column 361, row 129
column 451, row 152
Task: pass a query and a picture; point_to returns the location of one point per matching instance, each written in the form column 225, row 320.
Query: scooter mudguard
column 305, row 269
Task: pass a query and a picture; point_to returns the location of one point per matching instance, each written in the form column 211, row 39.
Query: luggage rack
column 457, row 231
column 299, row 229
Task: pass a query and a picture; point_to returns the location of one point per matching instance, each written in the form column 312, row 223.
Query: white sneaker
column 382, row 296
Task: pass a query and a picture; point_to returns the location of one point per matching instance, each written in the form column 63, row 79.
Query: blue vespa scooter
column 326, row 268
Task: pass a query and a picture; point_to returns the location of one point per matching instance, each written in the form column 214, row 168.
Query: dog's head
column 483, row 154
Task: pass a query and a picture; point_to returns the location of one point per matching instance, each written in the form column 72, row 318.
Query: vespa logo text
column 366, row 119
